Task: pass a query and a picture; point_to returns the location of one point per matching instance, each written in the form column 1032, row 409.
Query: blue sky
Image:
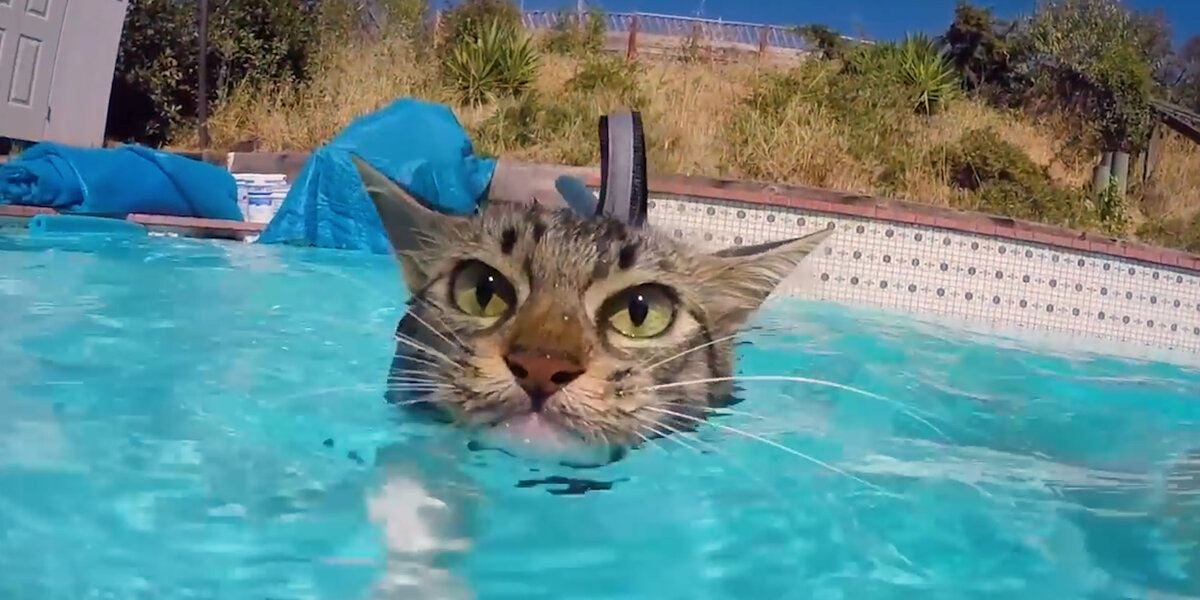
column 880, row 19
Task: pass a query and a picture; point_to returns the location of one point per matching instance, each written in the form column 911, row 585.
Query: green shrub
column 774, row 92
column 1092, row 55
column 255, row 43
column 570, row 37
column 926, row 71
column 981, row 157
column 469, row 19
column 1042, row 202
column 610, row 74
column 499, row 61
column 869, row 114
column 516, row 124
column 1172, row 232
column 568, row 120
column 154, row 87
column 824, row 39
column 565, row 123
column 1001, row 179
column 978, row 46
column 917, row 65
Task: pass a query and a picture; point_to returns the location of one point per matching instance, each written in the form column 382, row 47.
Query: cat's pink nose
column 542, row 373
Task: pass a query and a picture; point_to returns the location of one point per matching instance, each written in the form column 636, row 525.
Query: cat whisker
column 412, row 398
column 333, row 390
column 671, row 433
column 456, row 342
column 418, row 346
column 689, row 351
column 437, row 314
column 759, row 328
column 417, row 371
column 604, row 441
column 771, row 487
column 414, row 381
column 422, row 360
column 418, row 389
column 391, row 385
column 410, row 402
column 643, row 437
column 729, row 411
column 899, row 405
column 412, row 373
column 415, row 377
column 773, row 444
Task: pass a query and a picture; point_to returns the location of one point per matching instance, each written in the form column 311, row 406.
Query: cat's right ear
column 408, row 221
column 747, row 275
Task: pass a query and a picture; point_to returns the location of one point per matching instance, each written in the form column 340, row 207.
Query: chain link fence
column 710, row 31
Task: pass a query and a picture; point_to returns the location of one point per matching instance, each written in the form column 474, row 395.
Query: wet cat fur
column 564, row 277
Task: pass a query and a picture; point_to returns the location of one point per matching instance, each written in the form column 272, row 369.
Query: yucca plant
column 499, row 61
column 923, row 66
column 917, row 63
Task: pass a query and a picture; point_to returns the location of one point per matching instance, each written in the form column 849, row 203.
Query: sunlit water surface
column 192, row 419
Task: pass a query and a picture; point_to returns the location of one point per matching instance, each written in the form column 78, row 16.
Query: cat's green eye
column 643, row 311
column 481, row 291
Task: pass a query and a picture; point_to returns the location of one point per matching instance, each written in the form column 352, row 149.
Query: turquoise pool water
column 182, row 417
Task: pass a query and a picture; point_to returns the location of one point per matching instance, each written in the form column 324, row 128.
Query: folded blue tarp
column 419, row 145
column 115, row 182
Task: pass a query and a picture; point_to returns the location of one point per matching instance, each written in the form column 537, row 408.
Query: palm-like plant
column 500, row 60
column 923, row 66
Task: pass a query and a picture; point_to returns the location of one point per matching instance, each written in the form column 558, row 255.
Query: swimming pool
column 195, row 419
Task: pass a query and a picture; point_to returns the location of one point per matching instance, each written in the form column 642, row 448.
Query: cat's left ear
column 409, row 222
column 745, row 275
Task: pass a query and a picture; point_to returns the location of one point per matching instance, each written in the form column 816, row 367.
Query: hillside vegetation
column 1006, row 118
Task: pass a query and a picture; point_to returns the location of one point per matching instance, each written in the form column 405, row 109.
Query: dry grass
column 697, row 123
column 349, row 82
column 1174, row 188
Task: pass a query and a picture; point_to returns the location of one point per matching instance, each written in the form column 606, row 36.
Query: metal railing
column 710, row 30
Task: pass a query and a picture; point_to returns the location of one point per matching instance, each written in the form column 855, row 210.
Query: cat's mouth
column 541, row 436
column 535, row 430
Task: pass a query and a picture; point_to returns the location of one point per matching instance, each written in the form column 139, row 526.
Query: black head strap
column 624, row 190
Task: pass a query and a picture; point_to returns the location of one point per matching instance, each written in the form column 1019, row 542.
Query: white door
column 30, row 31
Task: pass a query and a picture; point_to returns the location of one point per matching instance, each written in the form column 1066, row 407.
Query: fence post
column 695, row 49
column 1120, row 172
column 202, row 85
column 1152, row 152
column 1101, row 174
column 631, row 46
column 764, row 37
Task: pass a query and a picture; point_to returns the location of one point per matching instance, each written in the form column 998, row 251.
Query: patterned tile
column 930, row 271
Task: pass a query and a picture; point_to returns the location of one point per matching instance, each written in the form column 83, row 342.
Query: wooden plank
column 1178, row 118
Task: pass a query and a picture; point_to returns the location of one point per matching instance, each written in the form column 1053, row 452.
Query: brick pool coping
column 191, row 227
column 522, row 182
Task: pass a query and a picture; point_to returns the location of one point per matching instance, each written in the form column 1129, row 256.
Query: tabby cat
column 544, row 332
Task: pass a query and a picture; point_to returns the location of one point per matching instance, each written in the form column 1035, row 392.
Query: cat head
column 539, row 330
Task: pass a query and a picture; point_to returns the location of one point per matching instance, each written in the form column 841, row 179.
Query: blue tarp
column 114, row 182
column 419, row 145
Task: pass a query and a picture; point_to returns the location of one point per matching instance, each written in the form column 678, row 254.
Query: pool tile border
column 924, row 260
column 930, row 272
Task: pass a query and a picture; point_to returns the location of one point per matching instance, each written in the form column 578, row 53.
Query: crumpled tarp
column 115, row 182
column 419, row 145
